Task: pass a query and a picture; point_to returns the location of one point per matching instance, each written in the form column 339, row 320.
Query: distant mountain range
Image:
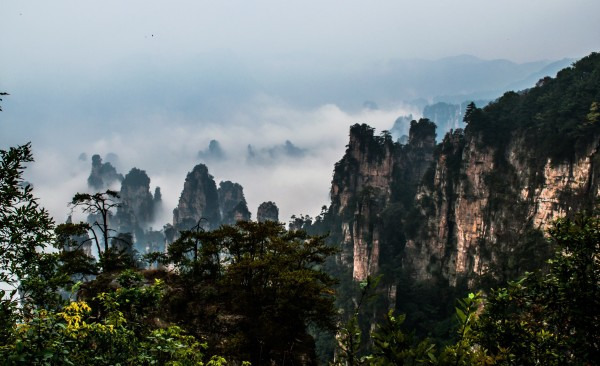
column 415, row 81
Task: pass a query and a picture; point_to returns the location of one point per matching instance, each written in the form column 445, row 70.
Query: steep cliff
column 375, row 174
column 137, row 210
column 232, row 203
column 137, row 204
column 198, row 200
column 472, row 210
column 521, row 163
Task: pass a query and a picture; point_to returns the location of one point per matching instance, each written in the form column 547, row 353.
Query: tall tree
column 266, row 282
column 99, row 206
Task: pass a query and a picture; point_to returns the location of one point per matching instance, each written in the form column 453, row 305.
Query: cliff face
column 484, row 207
column 366, row 180
column 137, row 211
column 199, row 199
column 464, row 212
column 473, row 209
column 137, row 203
column 232, row 203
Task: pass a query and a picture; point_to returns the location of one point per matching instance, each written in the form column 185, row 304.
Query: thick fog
column 276, row 152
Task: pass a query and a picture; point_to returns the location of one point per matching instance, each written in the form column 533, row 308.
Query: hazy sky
column 155, row 81
column 98, row 35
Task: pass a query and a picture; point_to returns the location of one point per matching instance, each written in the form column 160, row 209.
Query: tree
column 25, row 227
column 99, row 207
column 118, row 326
column 26, row 235
column 391, row 346
column 26, row 231
column 267, row 284
column 470, row 112
column 551, row 319
column 349, row 336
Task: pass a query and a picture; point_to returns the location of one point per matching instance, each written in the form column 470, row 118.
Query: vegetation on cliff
column 541, row 319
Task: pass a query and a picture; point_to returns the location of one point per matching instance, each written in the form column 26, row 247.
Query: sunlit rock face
column 267, row 211
column 232, row 203
column 481, row 214
column 199, row 200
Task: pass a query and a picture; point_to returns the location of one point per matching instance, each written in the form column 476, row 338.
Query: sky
column 155, row 81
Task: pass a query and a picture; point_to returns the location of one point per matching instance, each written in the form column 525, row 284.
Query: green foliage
column 26, row 234
column 349, row 337
column 171, row 346
column 73, row 337
column 122, row 325
column 25, row 227
column 391, row 346
column 548, row 318
column 267, row 284
column 551, row 319
column 556, row 117
column 422, row 130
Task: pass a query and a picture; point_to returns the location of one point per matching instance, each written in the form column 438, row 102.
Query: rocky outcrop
column 490, row 208
column 157, row 202
column 103, row 175
column 137, row 210
column 466, row 212
column 213, row 152
column 137, row 204
column 198, row 200
column 232, row 203
column 473, row 209
column 267, row 211
column 374, row 172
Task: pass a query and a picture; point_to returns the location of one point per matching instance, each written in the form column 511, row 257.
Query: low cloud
column 273, row 155
column 212, row 153
column 294, row 152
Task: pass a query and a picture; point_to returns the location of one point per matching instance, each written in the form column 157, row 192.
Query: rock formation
column 267, row 211
column 483, row 213
column 198, row 200
column 136, row 211
column 157, row 202
column 446, row 116
column 232, row 203
column 213, row 152
column 373, row 173
column 473, row 209
column 103, row 175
